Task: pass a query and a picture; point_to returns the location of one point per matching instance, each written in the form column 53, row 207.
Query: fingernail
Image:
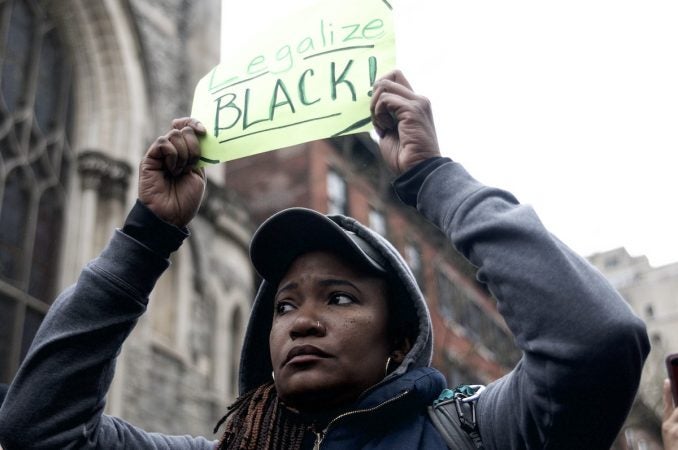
column 201, row 127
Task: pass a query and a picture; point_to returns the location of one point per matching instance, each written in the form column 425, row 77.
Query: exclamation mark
column 373, row 73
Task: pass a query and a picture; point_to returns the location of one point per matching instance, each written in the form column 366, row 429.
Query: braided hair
column 258, row 420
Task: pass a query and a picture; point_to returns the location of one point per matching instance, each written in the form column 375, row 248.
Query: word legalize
column 316, row 85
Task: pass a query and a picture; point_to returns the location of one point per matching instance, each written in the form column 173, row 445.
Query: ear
column 401, row 347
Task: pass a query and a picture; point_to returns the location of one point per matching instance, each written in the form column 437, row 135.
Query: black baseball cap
column 295, row 231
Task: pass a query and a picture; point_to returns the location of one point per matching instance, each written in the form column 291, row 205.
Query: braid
column 257, row 421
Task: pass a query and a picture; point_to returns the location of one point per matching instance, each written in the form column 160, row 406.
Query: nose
column 307, row 325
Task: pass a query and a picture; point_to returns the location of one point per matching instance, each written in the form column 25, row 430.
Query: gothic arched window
column 236, row 342
column 35, row 160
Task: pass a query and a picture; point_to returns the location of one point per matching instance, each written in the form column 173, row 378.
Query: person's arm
column 583, row 347
column 57, row 397
column 670, row 420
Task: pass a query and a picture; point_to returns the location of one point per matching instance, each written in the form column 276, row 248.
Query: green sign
column 307, row 77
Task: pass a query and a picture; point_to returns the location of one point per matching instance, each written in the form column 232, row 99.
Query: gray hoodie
column 570, row 323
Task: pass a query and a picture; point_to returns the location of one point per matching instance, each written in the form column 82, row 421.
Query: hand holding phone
column 670, row 416
column 672, row 369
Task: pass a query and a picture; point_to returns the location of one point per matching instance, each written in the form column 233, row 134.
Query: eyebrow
column 335, row 282
column 325, row 282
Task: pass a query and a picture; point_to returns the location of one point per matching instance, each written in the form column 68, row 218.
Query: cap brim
column 292, row 232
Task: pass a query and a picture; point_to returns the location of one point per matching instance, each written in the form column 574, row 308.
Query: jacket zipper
column 320, row 436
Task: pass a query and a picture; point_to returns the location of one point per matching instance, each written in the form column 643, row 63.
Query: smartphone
column 672, row 368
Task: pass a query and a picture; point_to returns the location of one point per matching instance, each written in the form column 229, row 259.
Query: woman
column 338, row 346
column 345, row 335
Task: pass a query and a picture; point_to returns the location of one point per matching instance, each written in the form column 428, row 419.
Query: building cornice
column 108, row 176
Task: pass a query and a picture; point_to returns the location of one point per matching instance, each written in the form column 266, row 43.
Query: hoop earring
column 388, row 362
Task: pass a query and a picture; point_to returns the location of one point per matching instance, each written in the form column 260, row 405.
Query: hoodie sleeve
column 583, row 348
column 58, row 395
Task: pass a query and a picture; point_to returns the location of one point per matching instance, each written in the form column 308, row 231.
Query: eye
column 283, row 307
column 341, row 298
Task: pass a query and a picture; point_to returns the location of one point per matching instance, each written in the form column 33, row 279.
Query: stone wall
column 133, row 66
column 179, row 41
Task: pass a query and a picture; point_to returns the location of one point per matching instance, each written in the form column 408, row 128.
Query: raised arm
column 57, row 398
column 583, row 348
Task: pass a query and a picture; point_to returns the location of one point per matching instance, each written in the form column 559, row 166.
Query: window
column 656, row 339
column 236, row 344
column 377, row 221
column 500, row 343
column 201, row 336
column 458, row 375
column 611, row 262
column 413, row 259
column 337, row 202
column 457, row 306
column 163, row 307
column 472, row 319
column 35, row 160
column 450, row 299
column 649, row 312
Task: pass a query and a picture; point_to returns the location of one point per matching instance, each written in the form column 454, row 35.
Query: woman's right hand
column 404, row 122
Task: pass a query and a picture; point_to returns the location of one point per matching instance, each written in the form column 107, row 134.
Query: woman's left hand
column 169, row 183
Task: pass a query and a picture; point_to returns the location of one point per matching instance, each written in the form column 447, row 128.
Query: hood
column 255, row 361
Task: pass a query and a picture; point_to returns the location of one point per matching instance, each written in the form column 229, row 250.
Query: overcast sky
column 572, row 106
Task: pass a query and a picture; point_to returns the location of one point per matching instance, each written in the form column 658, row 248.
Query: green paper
column 304, row 78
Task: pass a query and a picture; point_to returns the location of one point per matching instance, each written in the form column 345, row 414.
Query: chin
column 306, row 394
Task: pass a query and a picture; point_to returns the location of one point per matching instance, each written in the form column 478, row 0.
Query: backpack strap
column 454, row 415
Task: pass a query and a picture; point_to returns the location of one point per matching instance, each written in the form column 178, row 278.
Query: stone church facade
column 86, row 87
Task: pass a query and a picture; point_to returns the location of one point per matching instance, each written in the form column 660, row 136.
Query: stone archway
column 111, row 114
column 111, row 88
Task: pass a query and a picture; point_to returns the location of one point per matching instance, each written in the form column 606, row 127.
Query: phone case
column 672, row 369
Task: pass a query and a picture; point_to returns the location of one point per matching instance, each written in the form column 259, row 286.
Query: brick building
column 345, row 175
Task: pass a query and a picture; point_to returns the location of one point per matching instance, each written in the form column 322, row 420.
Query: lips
column 304, row 353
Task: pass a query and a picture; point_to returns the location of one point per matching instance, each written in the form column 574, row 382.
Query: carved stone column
column 104, row 183
column 101, row 173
